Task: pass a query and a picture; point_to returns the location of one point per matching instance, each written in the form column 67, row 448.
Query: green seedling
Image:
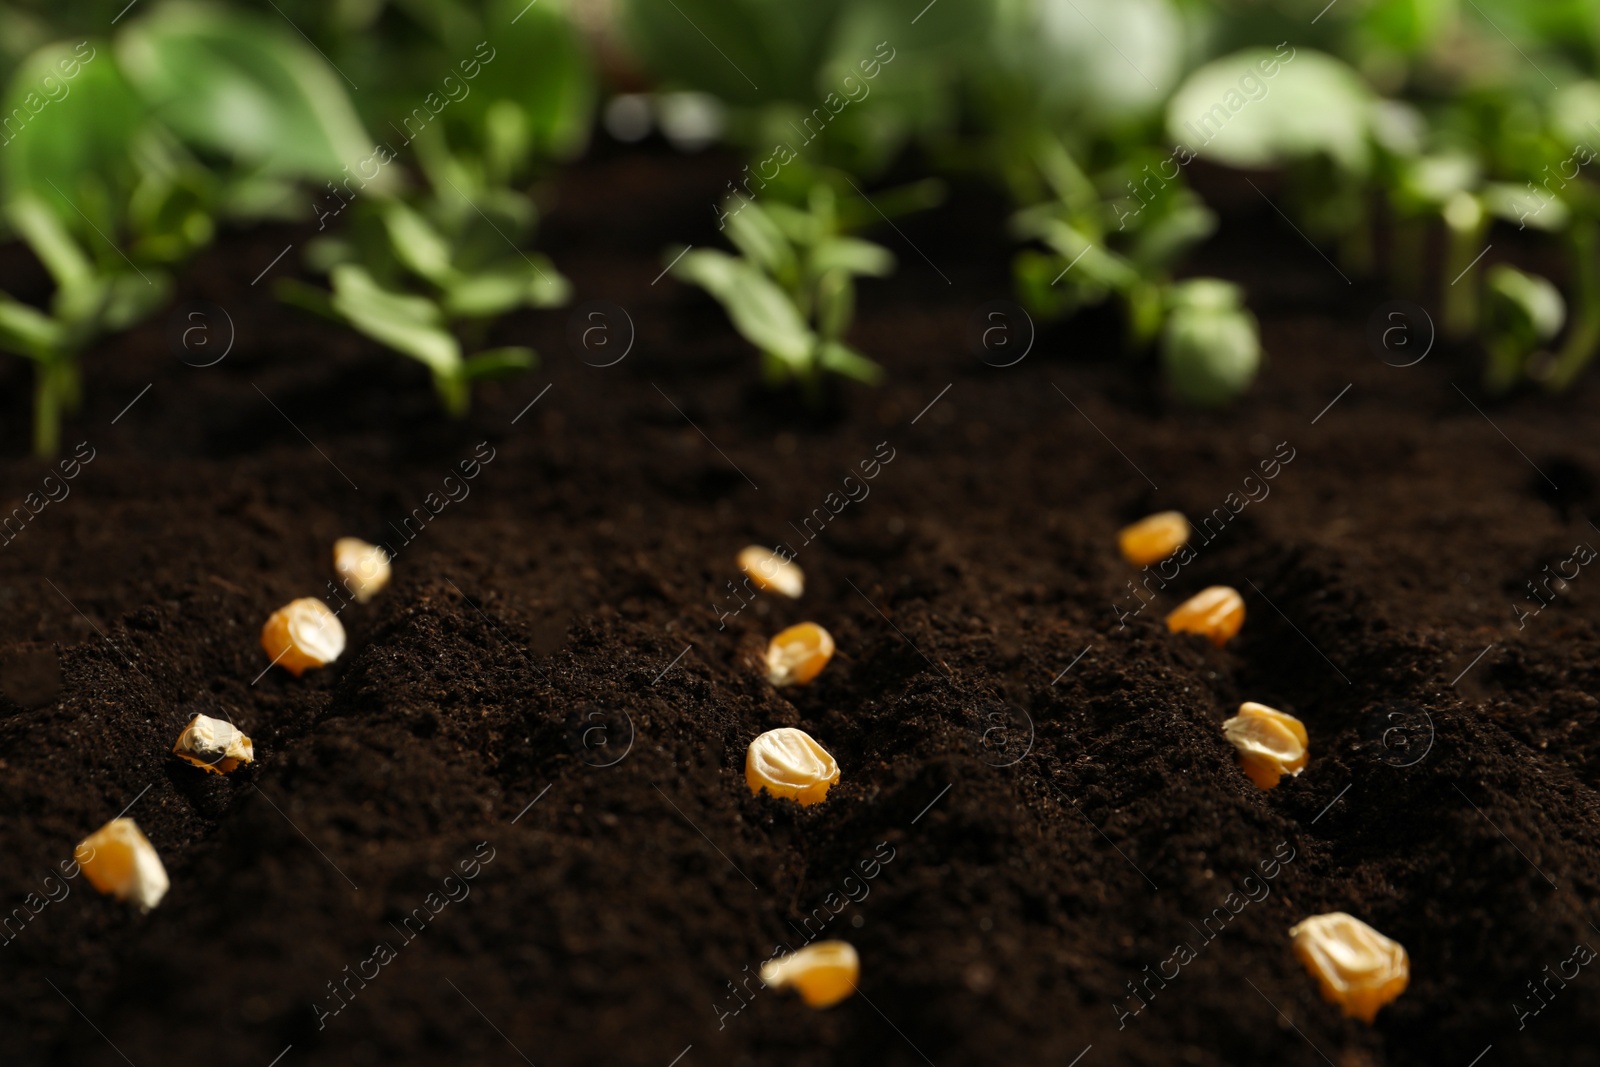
column 1117, row 236
column 1104, row 247
column 91, row 300
column 1522, row 313
column 1210, row 346
column 791, row 290
column 428, row 280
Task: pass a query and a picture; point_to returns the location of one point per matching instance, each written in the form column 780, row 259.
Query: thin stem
column 1584, row 337
column 47, row 409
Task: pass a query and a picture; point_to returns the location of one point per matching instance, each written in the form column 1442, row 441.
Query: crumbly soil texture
column 510, row 824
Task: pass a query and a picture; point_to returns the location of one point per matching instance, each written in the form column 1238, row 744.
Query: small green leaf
column 28, row 331
column 754, row 233
column 131, row 298
column 487, row 293
column 408, row 324
column 1210, row 348
column 759, row 309
column 497, row 363
column 853, row 255
column 50, row 240
column 417, row 244
column 1527, row 303
column 842, row 359
column 1526, row 207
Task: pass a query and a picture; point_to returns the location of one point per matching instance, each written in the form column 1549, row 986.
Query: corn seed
column 771, row 571
column 303, row 634
column 798, row 654
column 214, row 745
column 1270, row 743
column 363, row 568
column 1358, row 968
column 118, row 859
column 1153, row 538
column 1216, row 613
column 789, row 763
column 823, row 974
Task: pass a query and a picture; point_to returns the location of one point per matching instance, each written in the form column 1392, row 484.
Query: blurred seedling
column 1100, row 249
column 1522, row 313
column 428, row 276
column 791, row 289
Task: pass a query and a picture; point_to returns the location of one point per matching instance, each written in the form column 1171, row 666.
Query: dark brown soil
column 569, row 607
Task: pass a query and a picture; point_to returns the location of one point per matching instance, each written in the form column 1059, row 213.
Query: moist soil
column 555, row 693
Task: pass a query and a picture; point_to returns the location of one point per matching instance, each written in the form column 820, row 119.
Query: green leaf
column 541, row 64
column 853, row 255
column 1526, row 207
column 50, row 240
column 417, row 244
column 408, row 324
column 1526, row 303
column 758, row 308
column 842, row 359
column 485, row 294
column 754, row 234
column 248, row 87
column 28, row 331
column 1087, row 263
column 1170, row 236
column 1259, row 108
column 69, row 124
column 498, row 363
column 1210, row 348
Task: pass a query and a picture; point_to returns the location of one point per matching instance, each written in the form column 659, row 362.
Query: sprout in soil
column 91, row 299
column 1210, row 347
column 428, row 278
column 1522, row 312
column 791, row 290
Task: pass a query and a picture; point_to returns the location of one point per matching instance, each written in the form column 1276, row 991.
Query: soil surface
column 555, row 693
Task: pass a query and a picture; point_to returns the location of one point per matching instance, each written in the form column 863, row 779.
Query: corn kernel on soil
column 362, row 568
column 798, row 654
column 214, row 745
column 1270, row 743
column 303, row 634
column 1356, row 967
column 823, row 973
column 789, row 763
column 1153, row 538
column 120, row 861
column 772, row 572
column 1215, row 613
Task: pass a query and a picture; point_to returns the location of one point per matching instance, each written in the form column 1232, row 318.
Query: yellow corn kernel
column 363, row 568
column 1153, row 538
column 1358, row 968
column 798, row 654
column 789, row 763
column 118, row 859
column 771, row 571
column 1270, row 743
column 214, row 745
column 303, row 634
column 823, row 974
column 1216, row 613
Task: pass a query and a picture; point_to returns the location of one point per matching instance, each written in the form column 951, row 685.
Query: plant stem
column 1466, row 223
column 1584, row 337
column 47, row 409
